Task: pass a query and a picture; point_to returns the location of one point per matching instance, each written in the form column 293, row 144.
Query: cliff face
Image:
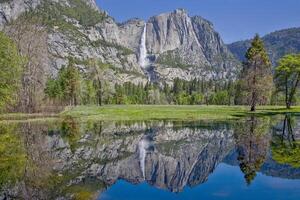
column 189, row 47
column 176, row 45
column 12, row 9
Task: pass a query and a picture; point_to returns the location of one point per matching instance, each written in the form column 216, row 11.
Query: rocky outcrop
column 12, row 9
column 188, row 47
column 166, row 158
column 178, row 46
column 158, row 153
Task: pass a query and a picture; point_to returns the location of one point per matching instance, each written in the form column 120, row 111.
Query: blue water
column 226, row 182
column 248, row 159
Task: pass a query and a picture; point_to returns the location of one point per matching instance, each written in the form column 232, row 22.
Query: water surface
column 253, row 158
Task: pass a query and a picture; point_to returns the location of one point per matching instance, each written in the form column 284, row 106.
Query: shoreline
column 151, row 112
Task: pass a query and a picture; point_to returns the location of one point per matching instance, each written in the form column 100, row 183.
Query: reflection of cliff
column 169, row 159
column 90, row 154
column 71, row 160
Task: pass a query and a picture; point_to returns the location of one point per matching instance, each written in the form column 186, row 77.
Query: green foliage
column 219, row 98
column 89, row 93
column 13, row 157
column 257, row 51
column 256, row 80
column 172, row 59
column 70, row 130
column 251, row 139
column 285, row 149
column 67, row 85
column 10, row 70
column 54, row 12
column 286, row 153
column 278, row 44
column 287, row 77
column 53, row 89
column 53, row 15
column 123, row 50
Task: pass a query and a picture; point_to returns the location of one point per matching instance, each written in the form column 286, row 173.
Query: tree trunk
column 253, row 108
column 288, row 105
column 100, row 93
column 253, row 102
column 253, row 98
column 293, row 92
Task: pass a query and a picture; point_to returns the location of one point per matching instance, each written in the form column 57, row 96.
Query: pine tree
column 256, row 77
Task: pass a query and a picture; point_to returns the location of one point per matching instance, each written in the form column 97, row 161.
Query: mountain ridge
column 178, row 46
column 278, row 44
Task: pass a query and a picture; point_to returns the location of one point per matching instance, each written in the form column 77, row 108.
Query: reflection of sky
column 226, row 182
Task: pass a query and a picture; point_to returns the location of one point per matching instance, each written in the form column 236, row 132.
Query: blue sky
column 233, row 19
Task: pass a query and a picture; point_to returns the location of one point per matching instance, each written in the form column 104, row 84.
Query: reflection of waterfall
column 142, row 155
column 144, row 146
column 143, row 61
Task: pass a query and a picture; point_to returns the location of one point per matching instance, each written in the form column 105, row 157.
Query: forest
column 23, row 90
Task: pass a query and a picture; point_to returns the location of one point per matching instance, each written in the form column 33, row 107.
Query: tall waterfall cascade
column 143, row 60
column 142, row 155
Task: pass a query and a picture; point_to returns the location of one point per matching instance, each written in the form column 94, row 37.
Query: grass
column 170, row 112
column 150, row 112
column 25, row 117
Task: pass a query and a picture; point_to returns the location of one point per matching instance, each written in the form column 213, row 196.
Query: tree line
column 24, row 87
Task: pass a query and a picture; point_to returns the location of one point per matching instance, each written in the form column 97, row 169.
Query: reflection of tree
column 285, row 149
column 25, row 163
column 38, row 172
column 12, row 156
column 28, row 168
column 252, row 143
column 70, row 130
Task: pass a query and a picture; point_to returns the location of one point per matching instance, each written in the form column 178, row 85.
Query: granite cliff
column 168, row 46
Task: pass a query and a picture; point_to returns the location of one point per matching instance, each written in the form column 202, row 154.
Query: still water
column 251, row 158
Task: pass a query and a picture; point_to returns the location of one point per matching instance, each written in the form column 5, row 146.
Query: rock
column 178, row 46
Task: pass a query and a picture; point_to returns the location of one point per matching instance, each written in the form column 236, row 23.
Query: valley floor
column 151, row 112
column 171, row 112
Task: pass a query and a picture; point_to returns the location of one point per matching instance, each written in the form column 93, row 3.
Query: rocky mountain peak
column 12, row 9
column 175, row 44
column 180, row 11
column 92, row 3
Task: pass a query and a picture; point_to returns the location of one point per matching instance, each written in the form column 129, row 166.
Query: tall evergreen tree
column 69, row 80
column 256, row 78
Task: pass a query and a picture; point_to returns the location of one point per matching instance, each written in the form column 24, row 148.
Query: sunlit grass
column 170, row 112
column 149, row 112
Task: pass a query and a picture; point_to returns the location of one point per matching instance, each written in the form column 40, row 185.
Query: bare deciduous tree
column 31, row 39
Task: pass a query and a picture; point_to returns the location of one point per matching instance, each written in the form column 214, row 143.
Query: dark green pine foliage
column 66, row 87
column 256, row 81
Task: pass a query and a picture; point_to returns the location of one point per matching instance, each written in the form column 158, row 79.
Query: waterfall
column 142, row 155
column 143, row 61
